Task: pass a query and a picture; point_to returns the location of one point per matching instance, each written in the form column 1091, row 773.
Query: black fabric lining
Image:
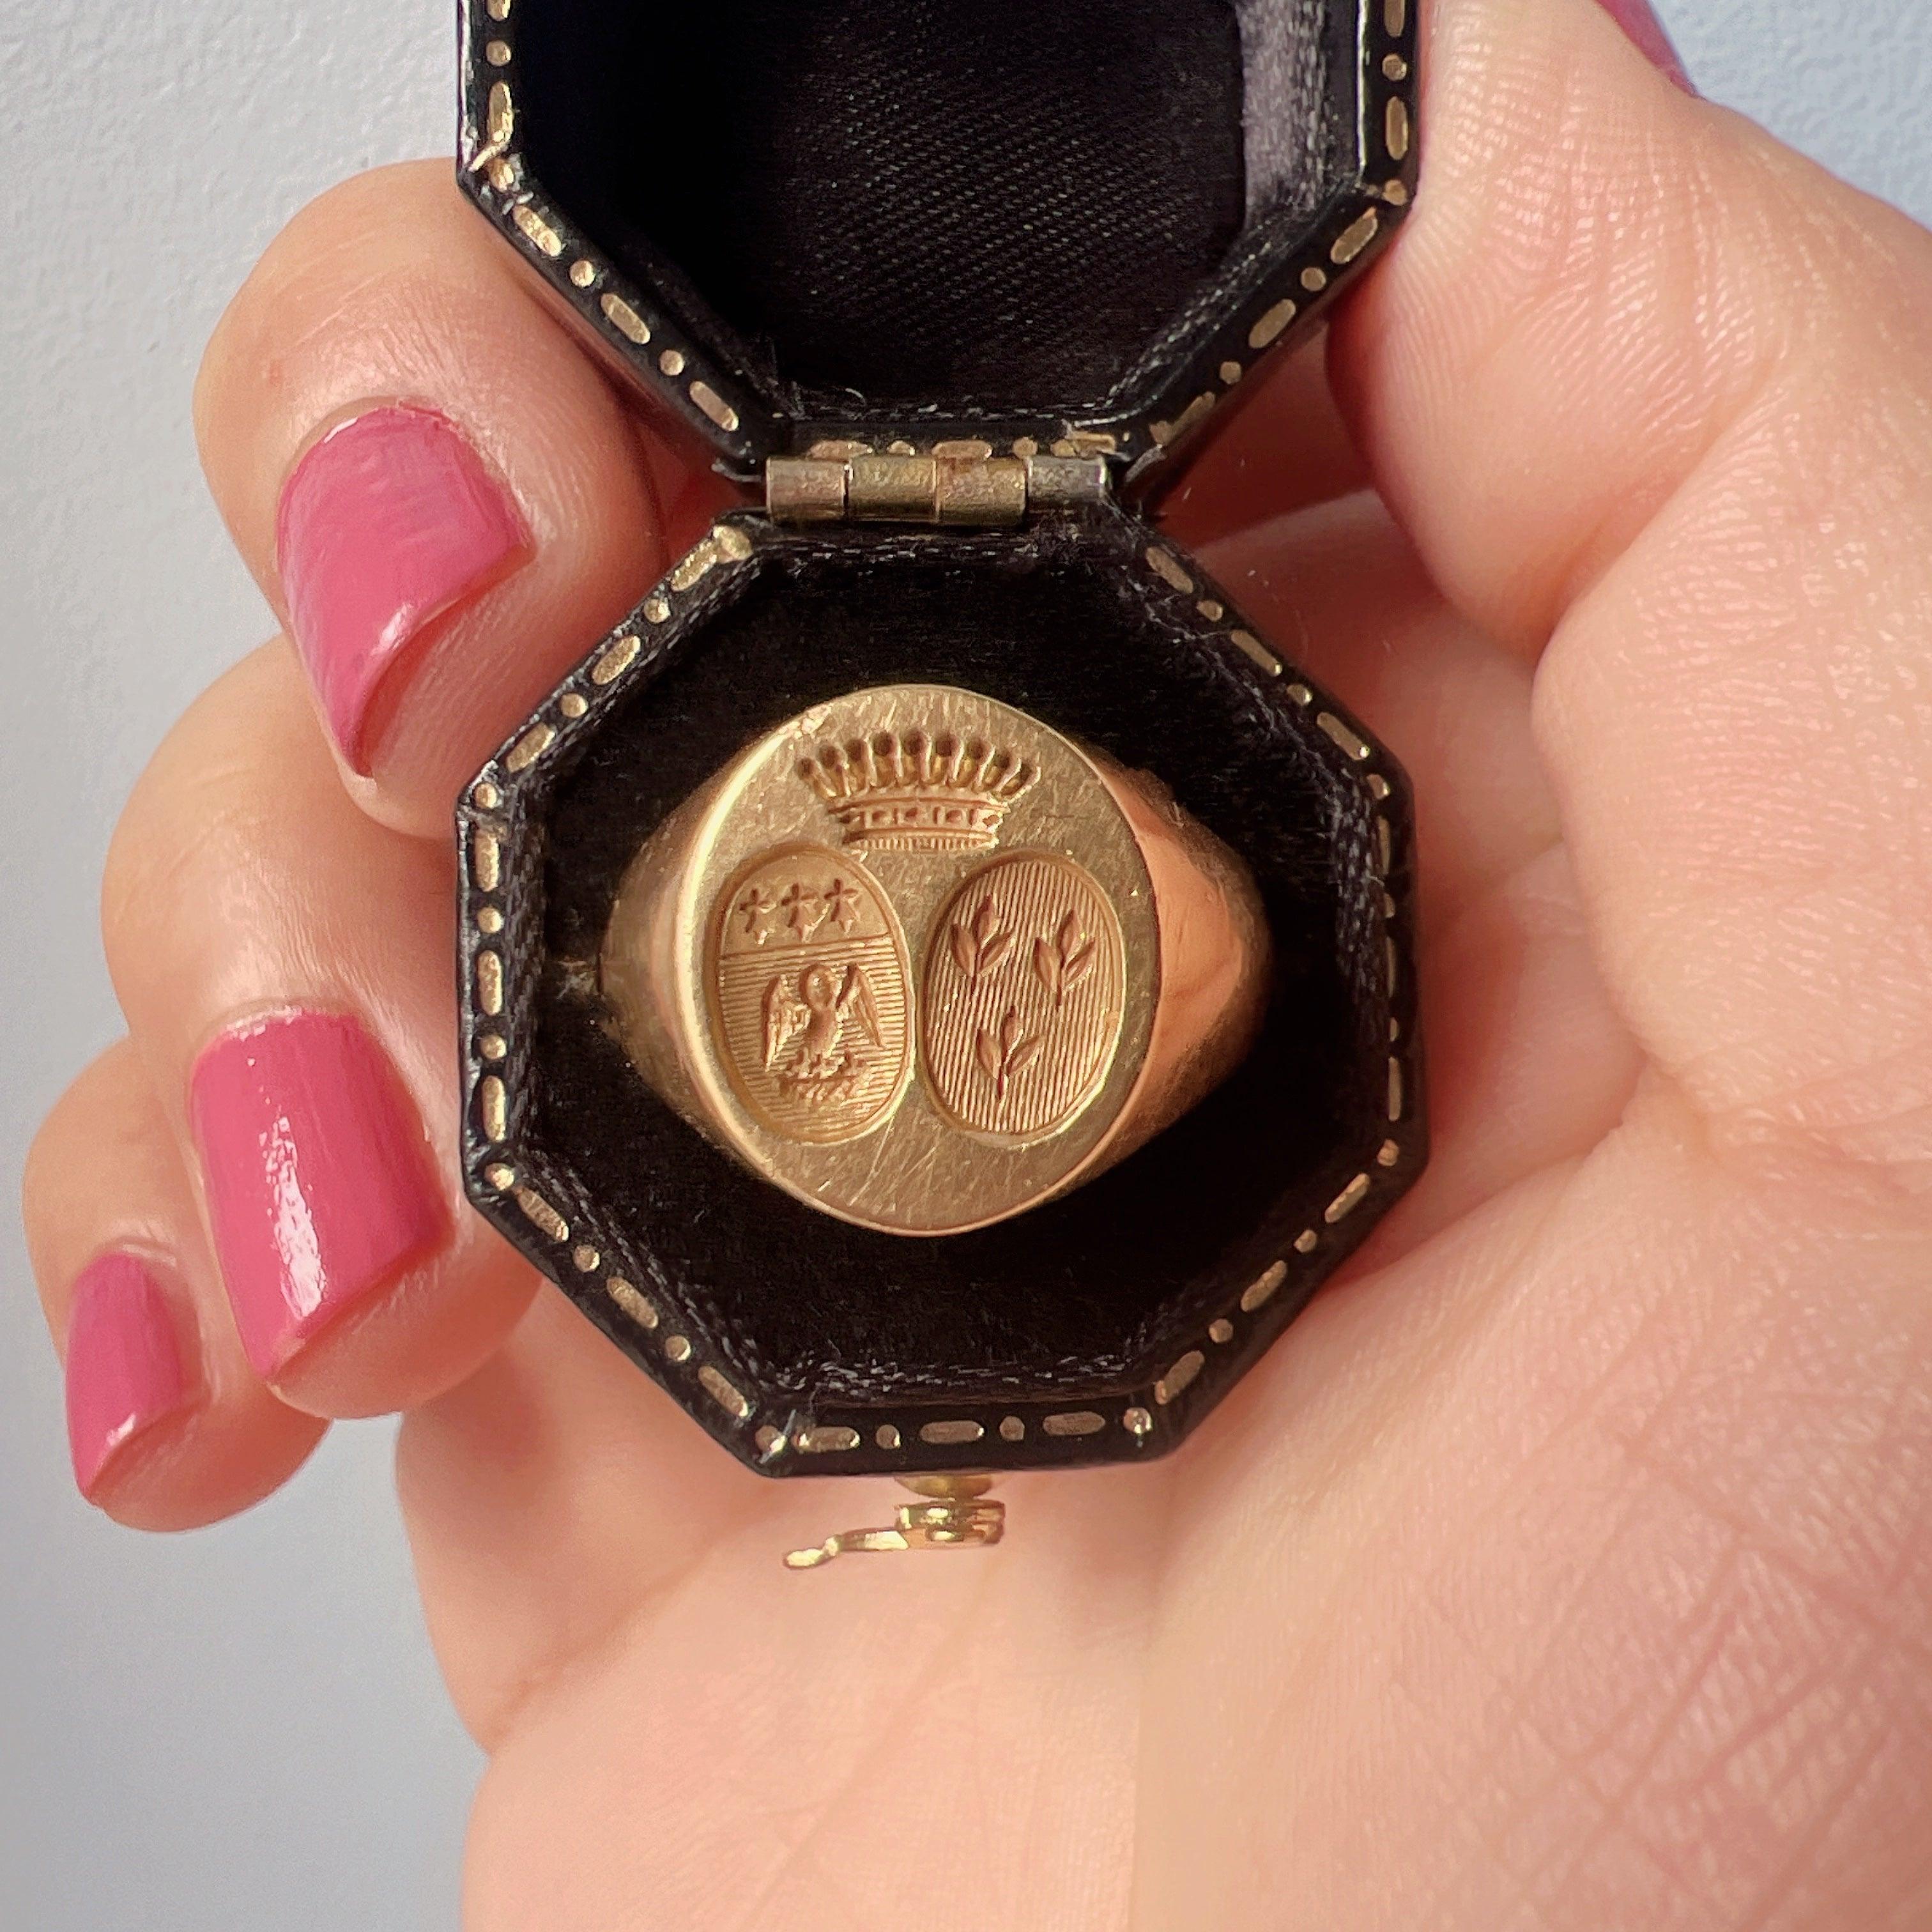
column 895, row 205
column 1079, row 1296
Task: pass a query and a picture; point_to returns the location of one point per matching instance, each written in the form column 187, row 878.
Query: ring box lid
column 1075, row 225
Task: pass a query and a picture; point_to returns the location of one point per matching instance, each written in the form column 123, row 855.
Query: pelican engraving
column 806, row 1027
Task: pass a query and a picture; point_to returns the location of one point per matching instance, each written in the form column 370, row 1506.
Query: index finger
column 444, row 499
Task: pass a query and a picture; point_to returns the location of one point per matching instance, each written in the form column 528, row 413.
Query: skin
column 1565, row 1566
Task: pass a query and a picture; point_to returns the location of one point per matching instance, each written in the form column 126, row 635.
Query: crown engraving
column 906, row 792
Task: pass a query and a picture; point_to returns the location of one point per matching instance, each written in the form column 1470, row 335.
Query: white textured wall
column 242, row 1729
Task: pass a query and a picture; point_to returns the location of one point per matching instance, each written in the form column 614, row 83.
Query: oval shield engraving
column 811, row 991
column 1024, row 990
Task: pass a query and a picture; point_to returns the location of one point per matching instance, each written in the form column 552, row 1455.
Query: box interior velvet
column 822, row 229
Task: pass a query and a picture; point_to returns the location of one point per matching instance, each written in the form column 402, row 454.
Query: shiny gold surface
column 811, row 993
column 1013, row 1056
column 925, row 963
column 954, row 1514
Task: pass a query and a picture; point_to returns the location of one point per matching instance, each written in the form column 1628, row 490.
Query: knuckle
column 324, row 244
column 109, row 1085
column 321, row 265
column 202, row 811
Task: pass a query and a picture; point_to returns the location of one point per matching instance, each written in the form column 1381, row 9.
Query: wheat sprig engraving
column 1061, row 963
column 979, row 947
column 1005, row 1054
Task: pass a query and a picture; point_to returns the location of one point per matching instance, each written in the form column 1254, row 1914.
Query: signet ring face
column 925, row 963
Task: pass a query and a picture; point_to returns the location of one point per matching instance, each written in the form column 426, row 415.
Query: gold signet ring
column 925, row 963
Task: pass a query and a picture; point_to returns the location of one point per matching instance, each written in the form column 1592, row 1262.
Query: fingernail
column 319, row 1187
column 1646, row 31
column 390, row 524
column 124, row 1365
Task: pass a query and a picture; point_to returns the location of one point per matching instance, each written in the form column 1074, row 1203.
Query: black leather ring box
column 956, row 288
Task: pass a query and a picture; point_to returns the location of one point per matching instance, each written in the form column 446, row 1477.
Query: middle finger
column 283, row 963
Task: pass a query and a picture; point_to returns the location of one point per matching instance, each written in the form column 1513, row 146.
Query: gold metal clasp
column 953, row 483
column 952, row 1514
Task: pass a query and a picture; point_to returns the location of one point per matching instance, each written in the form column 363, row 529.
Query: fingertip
column 126, row 1375
column 319, row 1183
column 359, row 1285
column 203, row 1466
column 419, row 1335
column 442, row 495
column 1598, row 275
column 388, row 525
column 167, row 1426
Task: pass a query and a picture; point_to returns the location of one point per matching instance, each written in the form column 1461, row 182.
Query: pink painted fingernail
column 320, row 1190
column 390, row 524
column 124, row 1365
column 1646, row 32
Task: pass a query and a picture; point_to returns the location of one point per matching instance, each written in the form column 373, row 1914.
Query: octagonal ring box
column 949, row 290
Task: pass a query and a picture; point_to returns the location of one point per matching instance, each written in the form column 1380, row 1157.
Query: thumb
column 1650, row 392
column 1600, row 274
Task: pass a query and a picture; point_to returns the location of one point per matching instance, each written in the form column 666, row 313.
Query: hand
column 1564, row 1566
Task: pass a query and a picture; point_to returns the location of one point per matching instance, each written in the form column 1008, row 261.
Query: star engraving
column 757, row 908
column 805, row 910
column 841, row 902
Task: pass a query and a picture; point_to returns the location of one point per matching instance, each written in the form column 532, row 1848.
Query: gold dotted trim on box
column 633, row 1302
column 1180, row 1377
column 490, row 983
column 951, row 1435
column 615, row 659
column 1388, row 135
column 574, row 702
column 530, row 747
column 625, row 315
column 1075, row 1422
column 724, row 1393
column 625, row 320
column 487, row 852
column 1358, row 753
column 569, row 710
column 541, row 1215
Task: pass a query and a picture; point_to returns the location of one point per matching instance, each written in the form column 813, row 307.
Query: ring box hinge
column 954, row 483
